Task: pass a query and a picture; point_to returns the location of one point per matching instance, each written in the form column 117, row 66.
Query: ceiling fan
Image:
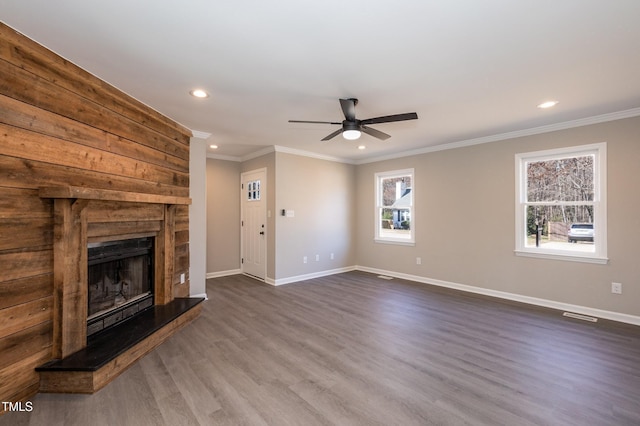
column 351, row 127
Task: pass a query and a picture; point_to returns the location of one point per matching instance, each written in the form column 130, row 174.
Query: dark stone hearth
column 104, row 347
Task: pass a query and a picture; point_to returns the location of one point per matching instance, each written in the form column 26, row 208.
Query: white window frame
column 599, row 150
column 378, row 206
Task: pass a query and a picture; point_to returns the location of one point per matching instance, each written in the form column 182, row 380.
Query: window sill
column 563, row 256
column 395, row 242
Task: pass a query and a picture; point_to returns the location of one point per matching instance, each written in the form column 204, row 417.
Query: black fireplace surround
column 120, row 280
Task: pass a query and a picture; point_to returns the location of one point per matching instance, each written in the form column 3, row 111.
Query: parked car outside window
column 580, row 232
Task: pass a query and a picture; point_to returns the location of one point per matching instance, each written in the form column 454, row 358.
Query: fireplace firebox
column 120, row 280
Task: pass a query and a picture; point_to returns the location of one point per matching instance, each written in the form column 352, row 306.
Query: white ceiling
column 470, row 69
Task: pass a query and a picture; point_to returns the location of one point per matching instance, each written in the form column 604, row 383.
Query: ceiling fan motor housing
column 350, row 125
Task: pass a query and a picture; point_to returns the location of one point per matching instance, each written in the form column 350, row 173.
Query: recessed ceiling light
column 213, row 146
column 199, row 93
column 361, row 147
column 548, row 104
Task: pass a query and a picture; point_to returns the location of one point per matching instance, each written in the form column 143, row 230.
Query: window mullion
column 560, row 203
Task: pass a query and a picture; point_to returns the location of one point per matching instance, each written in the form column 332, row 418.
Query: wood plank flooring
column 353, row 349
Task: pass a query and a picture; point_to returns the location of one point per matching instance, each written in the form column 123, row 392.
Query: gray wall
column 223, row 216
column 197, row 217
column 267, row 161
column 464, row 219
column 321, row 193
column 465, row 226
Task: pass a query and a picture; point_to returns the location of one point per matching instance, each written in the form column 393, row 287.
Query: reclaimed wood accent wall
column 61, row 126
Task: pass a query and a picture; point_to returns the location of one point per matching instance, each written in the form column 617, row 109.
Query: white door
column 254, row 222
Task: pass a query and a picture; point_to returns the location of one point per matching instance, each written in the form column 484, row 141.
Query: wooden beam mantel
column 76, row 209
column 79, row 192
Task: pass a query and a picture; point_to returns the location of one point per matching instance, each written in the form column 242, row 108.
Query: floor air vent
column 580, row 317
column 385, row 277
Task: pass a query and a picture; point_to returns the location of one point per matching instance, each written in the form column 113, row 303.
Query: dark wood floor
column 354, row 349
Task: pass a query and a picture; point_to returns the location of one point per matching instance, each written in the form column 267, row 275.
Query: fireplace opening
column 120, row 281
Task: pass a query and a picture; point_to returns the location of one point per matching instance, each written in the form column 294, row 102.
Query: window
column 561, row 209
column 394, row 207
column 253, row 190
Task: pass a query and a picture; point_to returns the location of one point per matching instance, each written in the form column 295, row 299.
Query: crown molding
column 258, row 153
column 603, row 118
column 224, row 157
column 240, row 159
column 200, row 135
column 634, row 112
column 303, row 153
column 283, row 149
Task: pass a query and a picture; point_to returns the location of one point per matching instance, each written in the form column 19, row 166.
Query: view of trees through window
column 559, row 198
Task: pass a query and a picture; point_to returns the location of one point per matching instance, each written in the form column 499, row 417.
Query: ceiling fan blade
column 375, row 133
column 314, row 122
column 332, row 135
column 391, row 118
column 349, row 108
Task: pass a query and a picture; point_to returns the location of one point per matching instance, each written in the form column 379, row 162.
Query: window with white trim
column 561, row 209
column 394, row 216
column 253, row 190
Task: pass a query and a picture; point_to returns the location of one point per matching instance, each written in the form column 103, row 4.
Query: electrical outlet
column 616, row 288
column 317, row 258
column 418, row 261
column 331, row 256
column 304, row 259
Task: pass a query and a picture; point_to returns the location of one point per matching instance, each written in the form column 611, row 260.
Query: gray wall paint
column 223, row 216
column 465, row 226
column 321, row 193
column 454, row 245
column 267, row 161
column 197, row 217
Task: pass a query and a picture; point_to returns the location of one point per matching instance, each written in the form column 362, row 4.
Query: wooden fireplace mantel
column 83, row 193
column 75, row 211
column 82, row 215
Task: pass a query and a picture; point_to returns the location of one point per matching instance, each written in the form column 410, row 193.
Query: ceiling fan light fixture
column 351, row 135
column 350, row 130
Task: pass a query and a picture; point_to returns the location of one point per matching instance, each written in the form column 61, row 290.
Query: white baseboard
column 310, row 276
column 223, row 273
column 204, row 295
column 584, row 310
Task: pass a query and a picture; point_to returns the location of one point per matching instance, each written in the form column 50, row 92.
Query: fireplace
column 120, row 281
column 87, row 223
